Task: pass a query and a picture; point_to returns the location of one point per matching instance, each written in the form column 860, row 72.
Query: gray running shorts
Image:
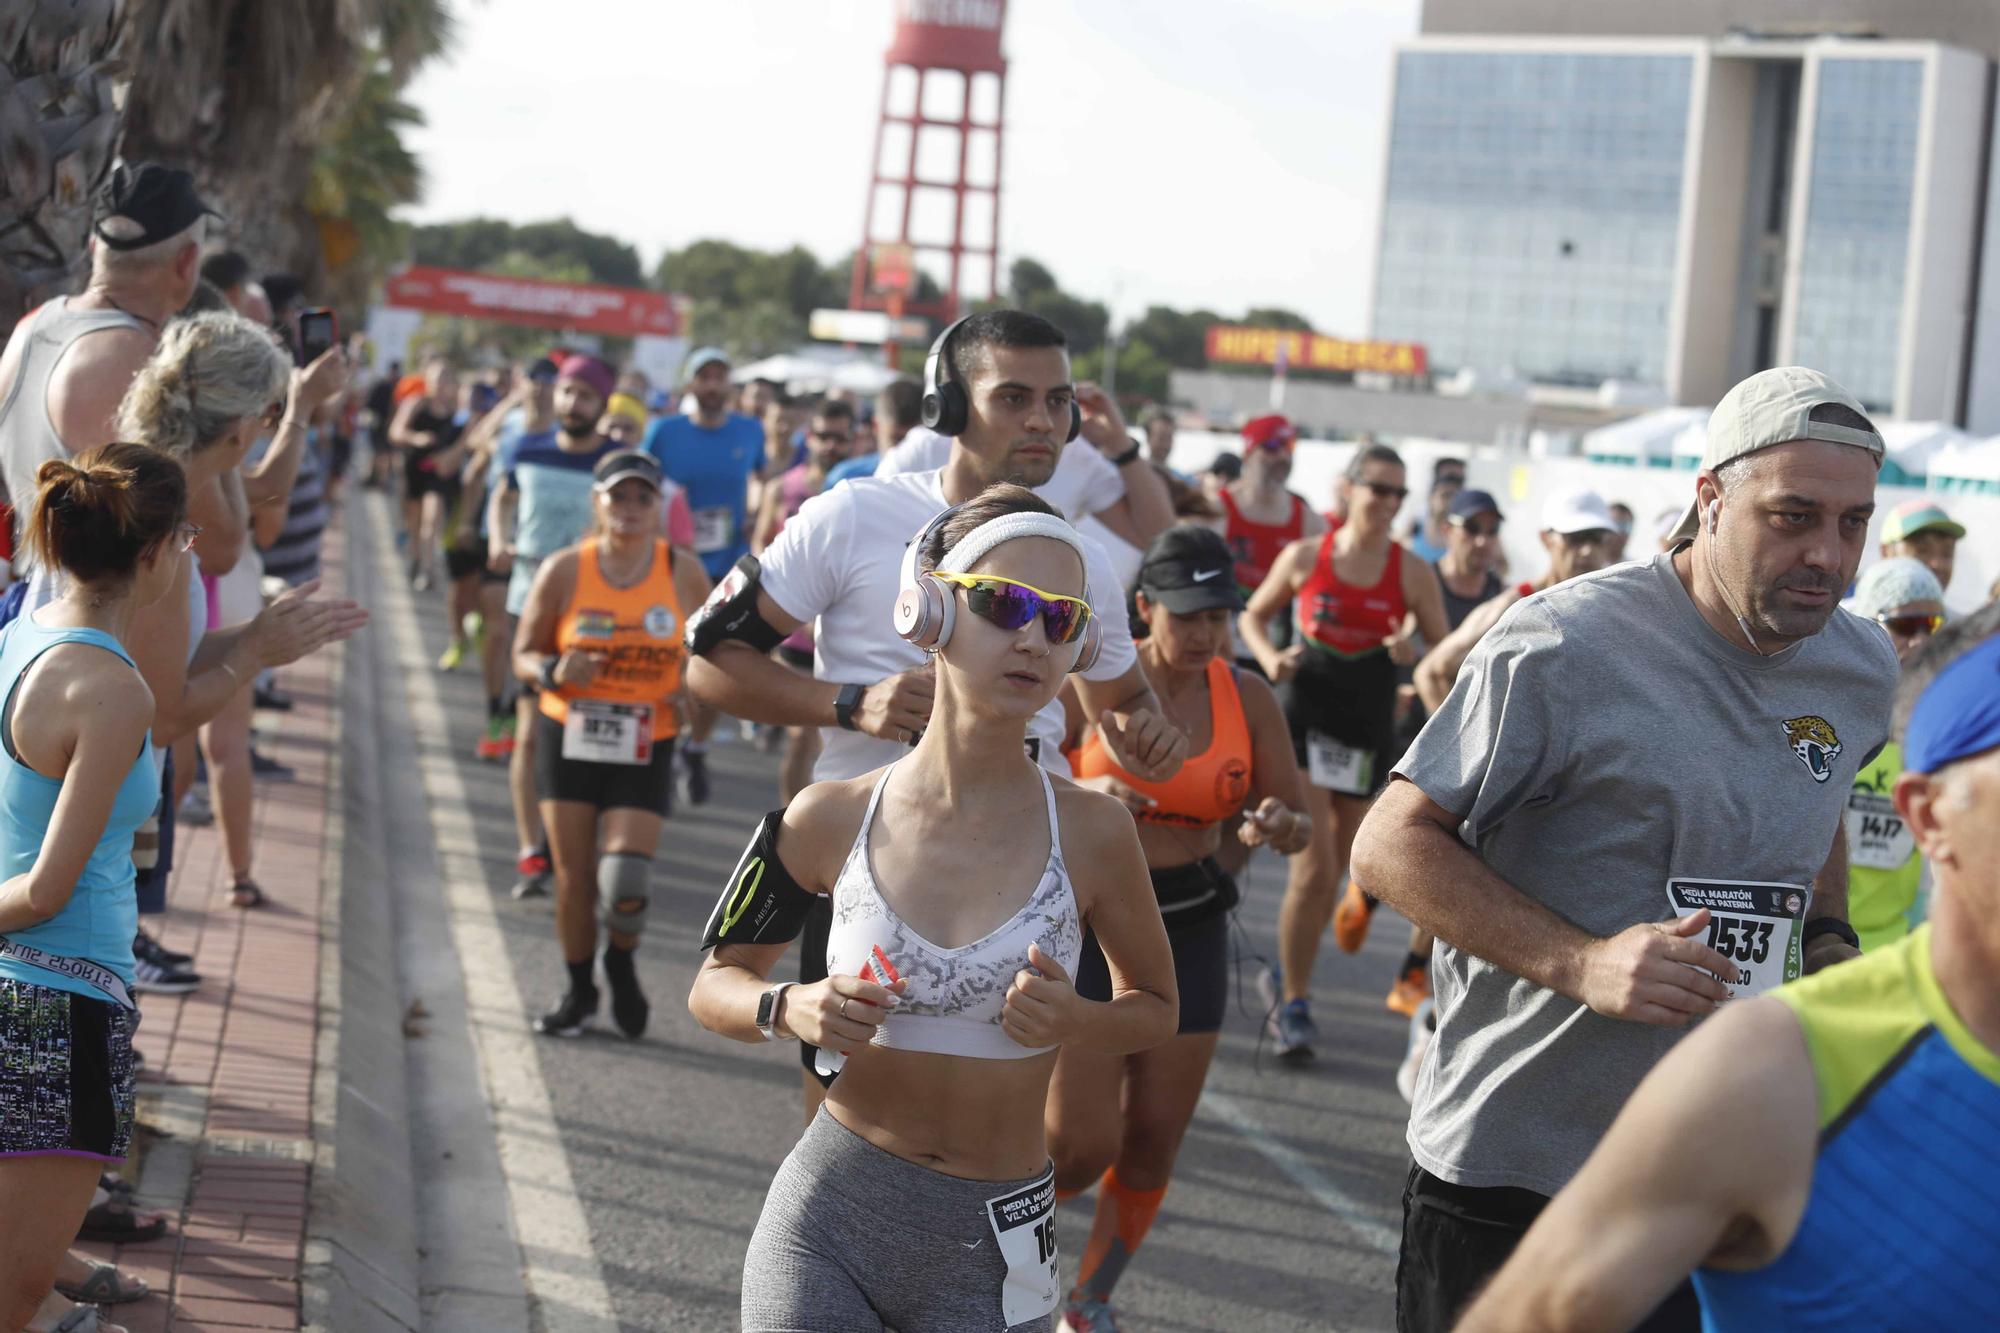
column 853, row 1239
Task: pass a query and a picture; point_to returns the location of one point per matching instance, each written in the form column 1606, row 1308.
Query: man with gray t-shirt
column 1628, row 811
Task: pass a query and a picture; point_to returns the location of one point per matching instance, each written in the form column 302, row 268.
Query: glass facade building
column 1852, row 265
column 1532, row 210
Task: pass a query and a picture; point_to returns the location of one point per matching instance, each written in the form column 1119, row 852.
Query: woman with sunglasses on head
column 1122, row 1117
column 828, row 440
column 962, row 881
column 1353, row 597
column 600, row 637
column 1884, row 871
column 77, row 779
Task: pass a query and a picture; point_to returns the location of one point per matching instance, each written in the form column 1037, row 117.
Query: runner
column 1921, row 530
column 541, row 504
column 712, row 455
column 464, row 545
column 999, row 382
column 922, row 1194
column 426, row 430
column 1429, row 535
column 1881, row 1219
column 600, row 639
column 76, row 782
column 1350, row 594
column 1261, row 516
column 1884, row 871
column 1621, row 755
column 828, row 439
column 1241, row 759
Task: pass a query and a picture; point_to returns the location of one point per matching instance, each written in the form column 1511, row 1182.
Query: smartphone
column 317, row 333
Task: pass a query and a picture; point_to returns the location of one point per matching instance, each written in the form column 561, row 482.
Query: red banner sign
column 583, row 307
column 1299, row 350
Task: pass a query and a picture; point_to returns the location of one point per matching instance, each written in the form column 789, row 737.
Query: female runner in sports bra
column 601, row 636
column 1350, row 595
column 921, row 1196
column 1239, row 758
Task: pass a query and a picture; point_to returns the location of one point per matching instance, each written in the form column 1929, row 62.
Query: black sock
column 618, row 962
column 1413, row 959
column 580, row 979
column 494, row 707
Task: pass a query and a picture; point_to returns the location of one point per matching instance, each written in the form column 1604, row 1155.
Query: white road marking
column 563, row 1276
column 1351, row 1212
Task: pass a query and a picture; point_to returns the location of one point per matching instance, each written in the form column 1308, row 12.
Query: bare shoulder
column 820, row 825
column 101, row 688
column 106, row 349
column 1259, row 699
column 1094, row 825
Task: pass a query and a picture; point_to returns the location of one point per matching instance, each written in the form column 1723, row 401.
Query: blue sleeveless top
column 102, row 914
column 1899, row 1230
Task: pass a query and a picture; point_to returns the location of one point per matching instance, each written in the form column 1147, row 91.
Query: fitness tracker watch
column 1128, row 456
column 1829, row 925
column 767, row 1011
column 549, row 673
column 845, row 703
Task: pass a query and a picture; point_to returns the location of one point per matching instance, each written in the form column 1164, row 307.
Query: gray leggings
column 853, row 1239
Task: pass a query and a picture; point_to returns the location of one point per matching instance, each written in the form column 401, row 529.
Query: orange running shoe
column 1351, row 918
column 1412, row 988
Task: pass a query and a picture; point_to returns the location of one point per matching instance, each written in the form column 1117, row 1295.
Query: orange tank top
column 636, row 632
column 1211, row 786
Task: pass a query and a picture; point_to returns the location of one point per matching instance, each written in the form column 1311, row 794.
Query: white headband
column 972, row 547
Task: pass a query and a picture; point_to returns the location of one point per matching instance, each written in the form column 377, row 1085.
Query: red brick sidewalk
column 231, row 1066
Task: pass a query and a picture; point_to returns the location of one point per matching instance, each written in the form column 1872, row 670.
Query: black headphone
column 945, row 406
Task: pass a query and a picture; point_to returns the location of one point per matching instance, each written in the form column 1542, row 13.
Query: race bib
column 714, row 530
column 598, row 731
column 1339, row 768
column 1024, row 1224
column 1753, row 924
column 1877, row 837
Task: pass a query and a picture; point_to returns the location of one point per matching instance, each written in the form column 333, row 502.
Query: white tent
column 1912, row 445
column 1646, row 440
column 1967, row 466
column 811, row 371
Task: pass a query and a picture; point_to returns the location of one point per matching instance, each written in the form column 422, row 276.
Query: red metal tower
column 935, row 38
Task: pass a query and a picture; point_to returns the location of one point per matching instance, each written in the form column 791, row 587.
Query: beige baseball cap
column 1776, row 407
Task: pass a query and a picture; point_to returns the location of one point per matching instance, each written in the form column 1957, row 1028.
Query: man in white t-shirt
column 1102, row 474
column 837, row 564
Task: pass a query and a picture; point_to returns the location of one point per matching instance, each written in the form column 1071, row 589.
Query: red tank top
column 1345, row 621
column 1210, row 786
column 1256, row 545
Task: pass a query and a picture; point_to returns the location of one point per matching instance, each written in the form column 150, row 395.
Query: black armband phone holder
column 731, row 613
column 762, row 903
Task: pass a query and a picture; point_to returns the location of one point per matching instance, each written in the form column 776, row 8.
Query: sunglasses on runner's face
column 1386, row 491
column 1481, row 529
column 1010, row 605
column 185, row 536
column 1909, row 627
column 833, row 437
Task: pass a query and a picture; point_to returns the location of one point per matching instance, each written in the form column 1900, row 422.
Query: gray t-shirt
column 1599, row 740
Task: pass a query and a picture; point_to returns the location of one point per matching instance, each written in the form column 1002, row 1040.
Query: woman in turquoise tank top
column 76, row 781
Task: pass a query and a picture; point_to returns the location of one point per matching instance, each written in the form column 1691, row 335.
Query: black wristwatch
column 1128, row 456
column 1829, row 925
column 549, row 672
column 845, row 703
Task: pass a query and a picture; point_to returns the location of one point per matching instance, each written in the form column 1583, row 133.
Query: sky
column 1225, row 155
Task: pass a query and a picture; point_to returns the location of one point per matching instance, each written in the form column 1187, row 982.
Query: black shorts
column 1351, row 700
column 419, row 478
column 647, row 786
column 65, row 1073
column 812, row 967
column 1201, row 967
column 462, row 562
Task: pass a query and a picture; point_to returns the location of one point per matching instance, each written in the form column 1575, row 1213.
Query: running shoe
column 271, row 699
column 571, row 1016
column 1293, row 1026
column 534, row 870
column 498, row 742
column 1084, row 1315
column 196, row 811
column 697, row 776
column 160, row 979
column 1422, row 1023
column 265, row 767
column 629, row 1009
column 1412, row 988
column 145, row 946
column 474, row 628
column 453, row 655
column 1351, row 918
column 1271, row 987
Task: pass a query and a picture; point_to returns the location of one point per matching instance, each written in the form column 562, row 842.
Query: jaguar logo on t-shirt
column 659, row 622
column 1814, row 742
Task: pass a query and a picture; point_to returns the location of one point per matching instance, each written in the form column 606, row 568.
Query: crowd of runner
column 1042, row 699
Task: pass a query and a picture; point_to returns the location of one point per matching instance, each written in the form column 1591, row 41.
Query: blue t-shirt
column 714, row 467
column 862, row 465
column 552, row 505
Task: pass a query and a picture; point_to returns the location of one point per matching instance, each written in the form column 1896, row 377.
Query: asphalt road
column 1285, row 1202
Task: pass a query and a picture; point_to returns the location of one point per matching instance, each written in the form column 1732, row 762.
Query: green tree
column 1268, row 318
column 478, row 243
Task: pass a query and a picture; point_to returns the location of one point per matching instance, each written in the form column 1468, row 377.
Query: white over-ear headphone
column 925, row 609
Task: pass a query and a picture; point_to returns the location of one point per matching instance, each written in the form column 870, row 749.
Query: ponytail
column 95, row 516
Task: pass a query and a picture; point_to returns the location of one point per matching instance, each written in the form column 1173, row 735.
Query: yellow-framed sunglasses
column 1010, row 604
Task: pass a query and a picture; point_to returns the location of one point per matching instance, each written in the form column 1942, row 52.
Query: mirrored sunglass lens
column 1008, row 607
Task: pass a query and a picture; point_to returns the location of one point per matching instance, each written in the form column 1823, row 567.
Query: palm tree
column 245, row 93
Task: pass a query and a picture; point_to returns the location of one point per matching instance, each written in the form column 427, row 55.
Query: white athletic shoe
column 1422, row 1024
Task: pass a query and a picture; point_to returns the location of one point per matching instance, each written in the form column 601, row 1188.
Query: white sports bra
column 953, row 1001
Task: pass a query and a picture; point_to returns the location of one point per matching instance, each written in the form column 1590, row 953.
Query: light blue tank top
column 102, row 914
